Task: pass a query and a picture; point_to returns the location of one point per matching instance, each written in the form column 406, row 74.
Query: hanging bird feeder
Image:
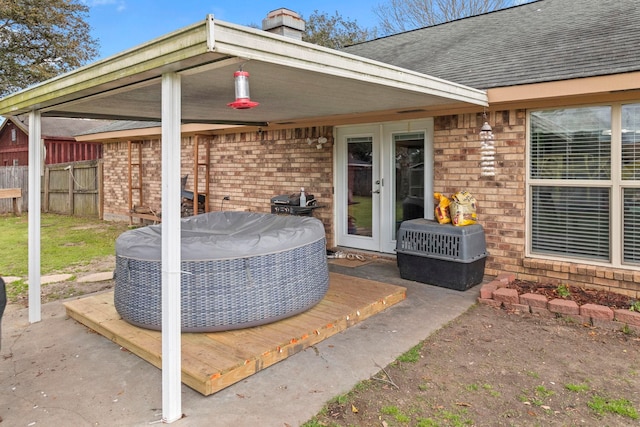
column 243, row 100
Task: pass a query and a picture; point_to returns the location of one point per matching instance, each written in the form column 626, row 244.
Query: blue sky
column 122, row 24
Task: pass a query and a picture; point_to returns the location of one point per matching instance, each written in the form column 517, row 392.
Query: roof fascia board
column 113, row 136
column 588, row 86
column 144, row 62
column 252, row 44
column 24, row 128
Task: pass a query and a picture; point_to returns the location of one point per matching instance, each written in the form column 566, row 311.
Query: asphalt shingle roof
column 542, row 41
column 61, row 127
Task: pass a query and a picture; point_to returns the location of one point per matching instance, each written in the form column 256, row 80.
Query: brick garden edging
column 497, row 294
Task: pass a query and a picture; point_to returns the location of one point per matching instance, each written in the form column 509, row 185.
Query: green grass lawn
column 65, row 241
column 361, row 211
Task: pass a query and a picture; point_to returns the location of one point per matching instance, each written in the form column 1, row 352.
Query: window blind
column 571, row 221
column 631, row 225
column 571, row 144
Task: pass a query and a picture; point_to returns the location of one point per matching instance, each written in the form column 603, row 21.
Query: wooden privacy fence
column 14, row 177
column 67, row 188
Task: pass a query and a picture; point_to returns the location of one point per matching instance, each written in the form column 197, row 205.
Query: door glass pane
column 409, row 166
column 359, row 178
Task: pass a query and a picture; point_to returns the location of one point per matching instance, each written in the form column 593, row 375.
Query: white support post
column 171, row 257
column 35, row 168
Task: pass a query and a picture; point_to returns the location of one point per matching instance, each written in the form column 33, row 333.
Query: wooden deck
column 213, row 361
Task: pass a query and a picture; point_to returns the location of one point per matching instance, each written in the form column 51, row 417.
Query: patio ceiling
column 292, row 80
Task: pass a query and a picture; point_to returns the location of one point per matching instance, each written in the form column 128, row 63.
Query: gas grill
column 289, row 204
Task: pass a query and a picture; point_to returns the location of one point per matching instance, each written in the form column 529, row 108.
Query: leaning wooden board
column 213, row 361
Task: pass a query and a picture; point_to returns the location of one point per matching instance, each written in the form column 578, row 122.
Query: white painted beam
column 35, row 168
column 171, row 257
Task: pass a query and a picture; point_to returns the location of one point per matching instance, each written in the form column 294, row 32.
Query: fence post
column 45, row 205
column 71, row 190
column 99, row 177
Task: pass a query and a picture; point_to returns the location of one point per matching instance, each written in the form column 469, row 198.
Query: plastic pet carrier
column 441, row 254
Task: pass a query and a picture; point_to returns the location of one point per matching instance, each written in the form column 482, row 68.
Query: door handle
column 375, row 192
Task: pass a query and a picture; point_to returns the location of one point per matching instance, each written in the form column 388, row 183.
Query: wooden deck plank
column 213, row 361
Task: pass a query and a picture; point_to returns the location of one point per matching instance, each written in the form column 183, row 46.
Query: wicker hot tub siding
column 239, row 269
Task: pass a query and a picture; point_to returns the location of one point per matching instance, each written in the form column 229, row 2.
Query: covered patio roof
column 186, row 77
column 294, row 81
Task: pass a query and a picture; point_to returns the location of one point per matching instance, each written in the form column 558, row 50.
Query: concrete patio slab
column 96, row 277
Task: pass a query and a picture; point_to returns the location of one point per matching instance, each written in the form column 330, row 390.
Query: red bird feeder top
column 243, row 100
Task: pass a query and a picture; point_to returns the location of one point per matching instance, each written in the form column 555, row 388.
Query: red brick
column 627, row 316
column 506, row 295
column 500, row 284
column 486, row 291
column 596, row 311
column 490, row 302
column 534, row 300
column 563, row 306
column 506, row 277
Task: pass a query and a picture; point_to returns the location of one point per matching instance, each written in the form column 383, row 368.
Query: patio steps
column 213, row 361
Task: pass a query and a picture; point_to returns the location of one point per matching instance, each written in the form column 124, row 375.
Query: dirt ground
column 73, row 287
column 494, row 368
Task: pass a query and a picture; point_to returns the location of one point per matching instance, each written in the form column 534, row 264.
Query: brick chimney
column 284, row 22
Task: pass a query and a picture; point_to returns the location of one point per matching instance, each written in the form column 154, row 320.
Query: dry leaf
column 354, row 409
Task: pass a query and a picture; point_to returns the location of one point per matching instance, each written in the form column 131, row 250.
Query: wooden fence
column 67, row 188
column 14, row 177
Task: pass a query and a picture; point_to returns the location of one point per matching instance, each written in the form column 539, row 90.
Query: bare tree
column 403, row 15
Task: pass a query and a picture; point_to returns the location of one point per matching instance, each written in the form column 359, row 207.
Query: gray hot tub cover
column 224, row 235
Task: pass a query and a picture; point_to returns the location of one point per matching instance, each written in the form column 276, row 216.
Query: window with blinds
column 573, row 193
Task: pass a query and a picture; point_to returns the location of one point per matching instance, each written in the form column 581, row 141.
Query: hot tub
column 239, row 269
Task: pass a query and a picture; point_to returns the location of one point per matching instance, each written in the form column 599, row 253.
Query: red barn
column 59, row 141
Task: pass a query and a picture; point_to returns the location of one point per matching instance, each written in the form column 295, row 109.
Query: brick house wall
column 252, row 167
column 502, row 201
column 116, row 178
column 249, row 167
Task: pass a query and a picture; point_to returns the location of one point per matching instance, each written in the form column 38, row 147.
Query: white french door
column 383, row 176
